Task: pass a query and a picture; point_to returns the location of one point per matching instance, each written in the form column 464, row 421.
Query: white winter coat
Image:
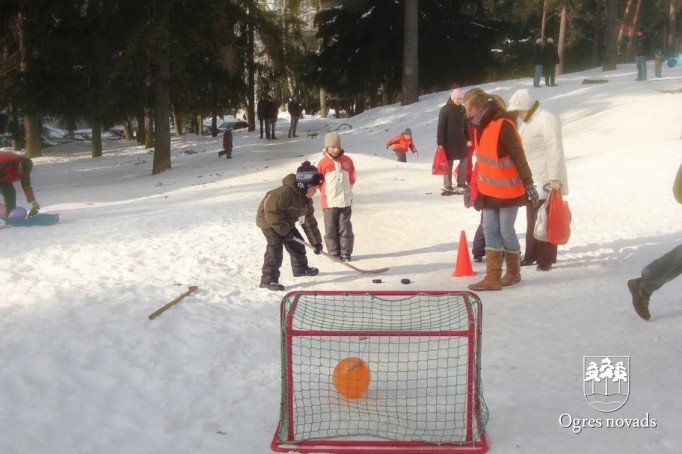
column 543, row 143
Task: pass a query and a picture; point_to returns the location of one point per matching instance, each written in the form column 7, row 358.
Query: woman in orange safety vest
column 504, row 182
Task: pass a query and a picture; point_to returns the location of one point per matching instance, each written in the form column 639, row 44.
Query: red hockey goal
column 422, row 390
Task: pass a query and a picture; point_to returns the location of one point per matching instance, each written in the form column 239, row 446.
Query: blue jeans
column 498, row 229
column 662, row 270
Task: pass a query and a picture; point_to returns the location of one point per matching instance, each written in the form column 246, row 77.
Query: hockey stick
column 160, row 310
column 338, row 260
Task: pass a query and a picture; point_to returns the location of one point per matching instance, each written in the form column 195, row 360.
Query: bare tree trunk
column 562, row 39
column 141, row 128
column 630, row 55
column 627, row 20
column 149, row 129
column 611, row 52
column 544, row 20
column 177, row 122
column 251, row 68
column 31, row 123
column 324, row 110
column 32, row 131
column 671, row 44
column 162, row 160
column 96, row 138
column 410, row 92
column 596, row 41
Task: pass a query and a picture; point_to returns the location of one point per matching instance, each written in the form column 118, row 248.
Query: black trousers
column 543, row 252
column 274, row 255
column 9, row 194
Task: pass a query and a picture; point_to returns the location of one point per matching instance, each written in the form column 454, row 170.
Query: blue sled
column 38, row 219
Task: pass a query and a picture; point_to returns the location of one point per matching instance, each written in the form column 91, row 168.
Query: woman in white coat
column 541, row 135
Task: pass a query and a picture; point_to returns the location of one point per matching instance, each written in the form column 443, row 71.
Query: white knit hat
column 521, row 100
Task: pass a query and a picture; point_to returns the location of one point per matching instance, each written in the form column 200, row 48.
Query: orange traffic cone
column 463, row 266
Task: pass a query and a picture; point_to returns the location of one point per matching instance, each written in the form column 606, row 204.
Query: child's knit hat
column 408, row 132
column 332, row 139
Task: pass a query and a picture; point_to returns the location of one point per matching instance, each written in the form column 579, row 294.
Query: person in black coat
column 550, row 58
column 271, row 112
column 294, row 109
column 261, row 108
column 452, row 134
column 641, row 53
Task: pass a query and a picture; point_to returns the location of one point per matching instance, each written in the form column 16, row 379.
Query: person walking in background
column 641, row 53
column 336, row 194
column 277, row 215
column 542, row 140
column 14, row 167
column 271, row 112
column 550, row 58
column 504, row 183
column 261, row 112
column 537, row 62
column 659, row 272
column 401, row 144
column 452, row 135
column 294, row 109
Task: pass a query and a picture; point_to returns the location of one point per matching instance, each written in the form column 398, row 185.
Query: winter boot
column 275, row 286
column 493, row 272
column 513, row 273
column 309, row 271
column 640, row 298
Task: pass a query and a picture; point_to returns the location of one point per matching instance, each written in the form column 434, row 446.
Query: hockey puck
column 404, row 281
column 376, row 281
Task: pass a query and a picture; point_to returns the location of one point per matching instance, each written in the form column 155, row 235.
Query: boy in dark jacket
column 16, row 168
column 277, row 215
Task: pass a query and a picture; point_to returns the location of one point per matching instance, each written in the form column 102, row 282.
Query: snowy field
column 85, row 370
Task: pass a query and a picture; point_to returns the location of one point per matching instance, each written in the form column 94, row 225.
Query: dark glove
column 478, row 203
column 318, row 248
column 35, row 208
column 289, row 236
column 532, row 195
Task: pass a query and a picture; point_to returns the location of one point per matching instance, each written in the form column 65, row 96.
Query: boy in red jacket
column 401, row 143
column 16, row 168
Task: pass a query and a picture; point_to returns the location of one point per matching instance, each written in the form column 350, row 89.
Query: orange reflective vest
column 497, row 177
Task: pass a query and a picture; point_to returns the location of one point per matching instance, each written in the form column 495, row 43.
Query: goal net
column 418, row 385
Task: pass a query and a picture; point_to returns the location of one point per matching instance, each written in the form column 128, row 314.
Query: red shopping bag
column 559, row 219
column 440, row 162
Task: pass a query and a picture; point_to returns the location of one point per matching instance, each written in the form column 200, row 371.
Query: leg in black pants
column 530, row 255
column 9, row 194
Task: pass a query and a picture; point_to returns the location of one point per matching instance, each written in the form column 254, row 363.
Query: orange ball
column 351, row 377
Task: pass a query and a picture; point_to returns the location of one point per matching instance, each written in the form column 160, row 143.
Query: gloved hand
column 555, row 184
column 318, row 248
column 478, row 203
column 416, row 152
column 289, row 236
column 532, row 195
column 35, row 208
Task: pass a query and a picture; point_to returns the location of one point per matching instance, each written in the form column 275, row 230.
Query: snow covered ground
column 85, row 371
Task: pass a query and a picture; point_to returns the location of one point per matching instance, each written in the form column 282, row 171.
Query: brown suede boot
column 493, row 272
column 513, row 273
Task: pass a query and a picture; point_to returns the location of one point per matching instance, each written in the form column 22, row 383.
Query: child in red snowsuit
column 401, row 143
column 14, row 167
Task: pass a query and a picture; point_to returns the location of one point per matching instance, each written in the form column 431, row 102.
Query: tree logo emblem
column 606, row 382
